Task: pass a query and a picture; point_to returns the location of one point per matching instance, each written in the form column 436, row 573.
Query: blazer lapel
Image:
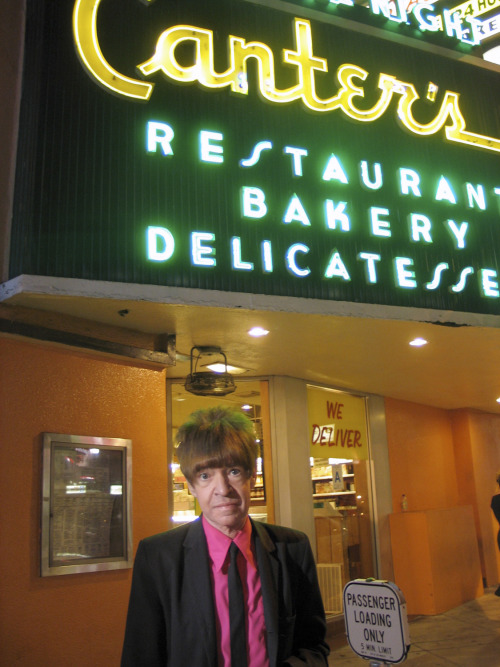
column 269, row 576
column 199, row 588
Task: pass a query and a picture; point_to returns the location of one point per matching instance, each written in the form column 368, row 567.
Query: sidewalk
column 467, row 636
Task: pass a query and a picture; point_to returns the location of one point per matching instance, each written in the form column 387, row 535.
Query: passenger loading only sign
column 376, row 620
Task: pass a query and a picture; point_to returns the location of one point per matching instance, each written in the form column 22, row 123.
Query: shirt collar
column 218, row 543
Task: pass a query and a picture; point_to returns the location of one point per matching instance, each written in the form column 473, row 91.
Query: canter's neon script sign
column 347, row 99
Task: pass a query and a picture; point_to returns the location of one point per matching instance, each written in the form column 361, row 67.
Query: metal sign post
column 376, row 621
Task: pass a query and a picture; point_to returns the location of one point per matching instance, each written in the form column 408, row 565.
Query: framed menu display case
column 86, row 504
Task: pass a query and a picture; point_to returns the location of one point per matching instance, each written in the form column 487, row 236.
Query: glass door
column 340, row 491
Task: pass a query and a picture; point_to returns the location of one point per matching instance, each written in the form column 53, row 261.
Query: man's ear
column 253, row 479
column 191, row 489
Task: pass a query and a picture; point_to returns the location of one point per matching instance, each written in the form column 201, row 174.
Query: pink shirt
column 218, row 548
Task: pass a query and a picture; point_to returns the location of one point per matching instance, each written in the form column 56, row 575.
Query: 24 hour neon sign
column 347, row 98
column 453, row 23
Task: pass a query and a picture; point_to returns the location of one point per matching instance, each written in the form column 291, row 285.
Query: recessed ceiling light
column 498, row 399
column 258, row 331
column 246, row 407
column 418, row 342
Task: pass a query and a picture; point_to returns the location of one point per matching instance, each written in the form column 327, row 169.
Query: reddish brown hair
column 218, row 437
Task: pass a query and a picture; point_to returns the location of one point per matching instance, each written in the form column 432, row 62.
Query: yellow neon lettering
column 306, row 63
column 449, row 110
column 164, row 57
column 475, row 8
column 241, row 52
column 457, row 132
column 348, row 91
column 409, row 96
column 89, row 52
column 201, row 69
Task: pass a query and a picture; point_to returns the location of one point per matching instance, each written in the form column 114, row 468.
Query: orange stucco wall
column 436, row 559
column 477, row 438
column 427, row 538
column 443, row 460
column 421, row 456
column 73, row 620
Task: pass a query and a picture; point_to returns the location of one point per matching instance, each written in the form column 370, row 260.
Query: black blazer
column 171, row 617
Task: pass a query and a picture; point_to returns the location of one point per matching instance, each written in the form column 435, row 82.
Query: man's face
column 224, row 497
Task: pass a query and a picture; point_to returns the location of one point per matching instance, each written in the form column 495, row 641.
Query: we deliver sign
column 337, row 424
column 376, row 621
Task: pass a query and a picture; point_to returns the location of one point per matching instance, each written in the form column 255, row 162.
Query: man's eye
column 234, row 472
column 203, row 475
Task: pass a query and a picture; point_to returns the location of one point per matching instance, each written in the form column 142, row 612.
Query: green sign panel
column 230, row 146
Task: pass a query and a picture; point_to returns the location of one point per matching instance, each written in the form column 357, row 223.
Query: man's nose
column 222, row 484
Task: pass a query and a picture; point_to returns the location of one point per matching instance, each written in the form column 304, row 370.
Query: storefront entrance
column 339, row 477
column 340, row 491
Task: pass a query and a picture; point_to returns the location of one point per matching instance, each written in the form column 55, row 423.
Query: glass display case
column 86, row 492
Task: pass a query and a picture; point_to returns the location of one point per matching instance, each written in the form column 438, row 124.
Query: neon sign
column 460, row 26
column 490, row 27
column 287, row 159
column 348, row 98
column 471, row 8
column 454, row 273
column 89, row 51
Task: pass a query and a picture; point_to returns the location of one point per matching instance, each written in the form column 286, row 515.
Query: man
column 182, row 612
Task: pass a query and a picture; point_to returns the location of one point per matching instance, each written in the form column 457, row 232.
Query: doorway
column 341, row 491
